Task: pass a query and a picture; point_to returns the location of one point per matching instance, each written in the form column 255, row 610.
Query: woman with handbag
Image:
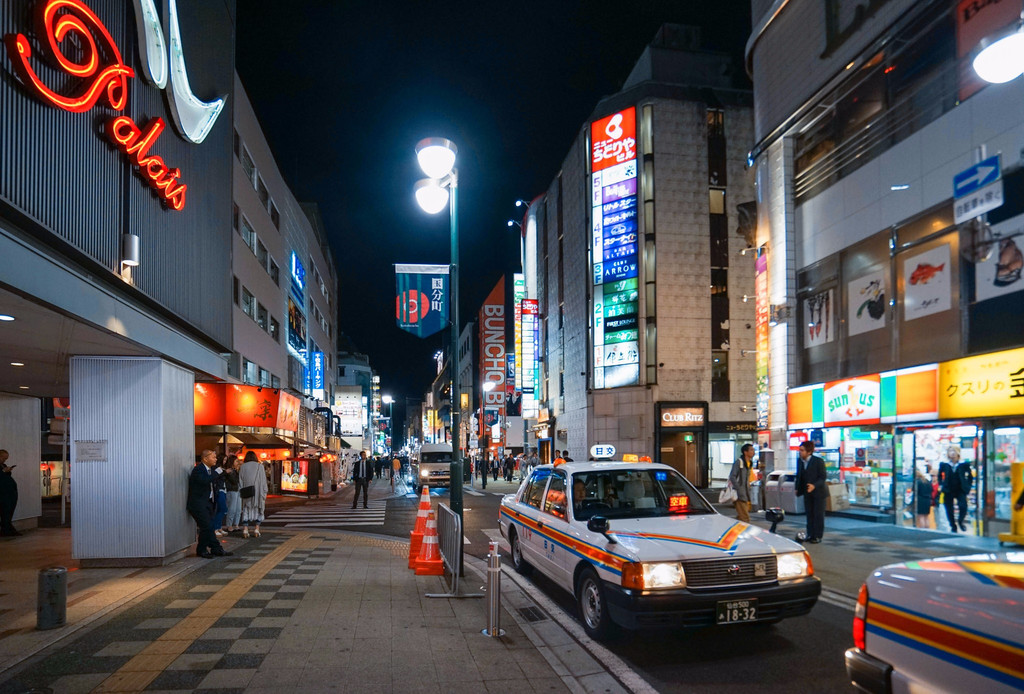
column 739, row 480
column 252, row 488
column 234, row 518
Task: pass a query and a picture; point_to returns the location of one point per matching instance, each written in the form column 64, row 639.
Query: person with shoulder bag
column 252, row 488
column 739, row 479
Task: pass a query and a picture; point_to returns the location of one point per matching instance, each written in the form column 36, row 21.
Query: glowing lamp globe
column 431, row 196
column 1002, row 60
column 436, row 156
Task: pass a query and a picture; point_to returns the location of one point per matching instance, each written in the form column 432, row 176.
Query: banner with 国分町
column 421, row 303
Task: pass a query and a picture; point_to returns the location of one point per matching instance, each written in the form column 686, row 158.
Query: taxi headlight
column 653, row 575
column 794, row 565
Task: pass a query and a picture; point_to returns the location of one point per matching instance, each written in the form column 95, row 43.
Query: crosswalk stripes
column 330, row 516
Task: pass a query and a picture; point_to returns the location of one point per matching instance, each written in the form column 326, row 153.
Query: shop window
column 1006, row 448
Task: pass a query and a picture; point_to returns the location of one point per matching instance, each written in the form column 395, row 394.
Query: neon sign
column 102, row 75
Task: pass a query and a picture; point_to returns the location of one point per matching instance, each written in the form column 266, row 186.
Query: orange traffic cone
column 429, row 562
column 416, row 536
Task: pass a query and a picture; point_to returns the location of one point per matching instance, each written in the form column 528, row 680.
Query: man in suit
column 955, row 480
column 811, row 483
column 200, row 506
column 362, row 471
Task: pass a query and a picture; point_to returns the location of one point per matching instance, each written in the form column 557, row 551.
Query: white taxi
column 941, row 625
column 638, row 546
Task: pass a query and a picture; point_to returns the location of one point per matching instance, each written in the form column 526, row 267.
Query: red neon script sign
column 104, row 67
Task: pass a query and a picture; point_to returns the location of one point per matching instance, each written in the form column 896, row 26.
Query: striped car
column 954, row 624
column 639, row 547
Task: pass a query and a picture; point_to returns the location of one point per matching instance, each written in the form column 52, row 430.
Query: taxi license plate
column 734, row 611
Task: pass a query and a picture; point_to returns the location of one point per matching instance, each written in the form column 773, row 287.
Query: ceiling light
column 23, row 387
column 899, row 186
column 17, row 363
column 6, row 318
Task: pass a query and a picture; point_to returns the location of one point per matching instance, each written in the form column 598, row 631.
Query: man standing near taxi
column 739, row 477
column 811, row 483
column 362, row 471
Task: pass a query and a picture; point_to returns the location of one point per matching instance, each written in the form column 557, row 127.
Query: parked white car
column 638, row 546
column 941, row 625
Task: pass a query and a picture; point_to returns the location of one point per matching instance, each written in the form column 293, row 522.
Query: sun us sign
column 853, row 401
column 80, row 45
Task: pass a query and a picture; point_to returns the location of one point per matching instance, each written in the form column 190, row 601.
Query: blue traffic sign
column 977, row 176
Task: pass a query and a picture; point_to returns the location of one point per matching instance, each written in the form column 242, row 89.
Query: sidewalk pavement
column 316, row 610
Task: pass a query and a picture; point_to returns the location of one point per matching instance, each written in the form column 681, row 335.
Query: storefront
column 886, row 435
column 681, row 437
column 725, row 439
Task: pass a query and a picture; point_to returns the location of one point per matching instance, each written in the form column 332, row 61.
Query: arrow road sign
column 977, row 176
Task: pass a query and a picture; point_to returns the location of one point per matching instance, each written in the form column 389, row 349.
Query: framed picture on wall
column 926, row 283
column 866, row 303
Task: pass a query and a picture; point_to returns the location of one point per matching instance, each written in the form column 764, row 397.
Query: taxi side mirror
column 599, row 524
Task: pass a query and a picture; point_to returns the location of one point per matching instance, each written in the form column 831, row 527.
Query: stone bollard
column 52, row 602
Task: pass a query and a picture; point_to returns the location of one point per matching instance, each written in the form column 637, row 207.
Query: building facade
column 888, row 234
column 642, row 277
column 115, row 211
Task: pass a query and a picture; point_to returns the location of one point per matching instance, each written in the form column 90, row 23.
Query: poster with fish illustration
column 1000, row 273
column 866, row 303
column 819, row 319
column 926, row 285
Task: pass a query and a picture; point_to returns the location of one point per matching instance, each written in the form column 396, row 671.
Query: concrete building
column 888, row 297
column 353, row 395
column 646, row 335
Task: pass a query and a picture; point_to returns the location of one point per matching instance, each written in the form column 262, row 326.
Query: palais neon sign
column 105, row 77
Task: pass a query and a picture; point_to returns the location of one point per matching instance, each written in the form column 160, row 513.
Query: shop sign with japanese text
column 990, row 385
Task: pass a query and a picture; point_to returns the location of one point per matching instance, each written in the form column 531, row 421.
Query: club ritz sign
column 99, row 73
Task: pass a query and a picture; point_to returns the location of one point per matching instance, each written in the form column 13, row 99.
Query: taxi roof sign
column 602, row 451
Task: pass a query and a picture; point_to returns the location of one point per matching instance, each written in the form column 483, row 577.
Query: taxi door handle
column 540, row 524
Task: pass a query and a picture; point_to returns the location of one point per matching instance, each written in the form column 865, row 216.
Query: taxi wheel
column 517, row 554
column 592, row 606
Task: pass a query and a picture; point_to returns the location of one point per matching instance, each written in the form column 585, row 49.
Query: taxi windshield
column 632, row 493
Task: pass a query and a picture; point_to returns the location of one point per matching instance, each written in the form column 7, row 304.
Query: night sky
column 344, row 90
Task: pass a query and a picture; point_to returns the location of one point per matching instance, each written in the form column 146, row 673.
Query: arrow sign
column 977, row 176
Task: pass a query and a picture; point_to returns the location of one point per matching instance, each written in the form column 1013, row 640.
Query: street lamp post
column 436, row 157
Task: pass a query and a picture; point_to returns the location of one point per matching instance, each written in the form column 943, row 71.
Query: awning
column 213, row 442
column 261, row 441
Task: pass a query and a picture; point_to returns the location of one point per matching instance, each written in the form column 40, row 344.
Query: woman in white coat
column 251, row 474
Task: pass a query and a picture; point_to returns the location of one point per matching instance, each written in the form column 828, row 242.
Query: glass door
column 906, row 490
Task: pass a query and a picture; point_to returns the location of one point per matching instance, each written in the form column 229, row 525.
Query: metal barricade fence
column 449, row 540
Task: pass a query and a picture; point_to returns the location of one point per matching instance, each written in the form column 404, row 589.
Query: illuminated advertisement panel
column 761, row 317
column 295, row 476
column 614, row 251
column 518, row 294
column 493, row 362
column 531, row 348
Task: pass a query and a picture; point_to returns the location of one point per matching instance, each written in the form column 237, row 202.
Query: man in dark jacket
column 811, row 483
column 200, row 506
column 955, row 480
column 362, row 471
column 8, row 497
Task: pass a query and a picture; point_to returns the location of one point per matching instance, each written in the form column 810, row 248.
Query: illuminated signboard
column 493, row 363
column 531, row 348
column 518, row 294
column 97, row 74
column 761, row 311
column 298, row 276
column 989, row 385
column 317, row 371
column 296, row 329
column 615, row 317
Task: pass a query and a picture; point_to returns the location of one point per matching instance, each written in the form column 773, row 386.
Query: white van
column 435, row 460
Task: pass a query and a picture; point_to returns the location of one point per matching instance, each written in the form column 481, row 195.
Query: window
column 234, row 216
column 248, row 165
column 534, row 491
column 555, row 502
column 716, row 201
column 634, row 494
column 249, row 235
column 249, row 371
column 234, row 289
column 275, row 382
column 248, row 303
column 719, row 375
column 262, row 192
column 275, row 272
column 262, row 317
column 264, row 377
column 261, row 254
column 275, row 216
column 275, row 329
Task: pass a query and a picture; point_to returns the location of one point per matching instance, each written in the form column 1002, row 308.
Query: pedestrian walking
column 200, row 506
column 8, row 496
column 811, row 483
column 234, row 517
column 362, row 471
column 495, row 464
column 396, row 470
column 739, row 478
column 252, row 488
